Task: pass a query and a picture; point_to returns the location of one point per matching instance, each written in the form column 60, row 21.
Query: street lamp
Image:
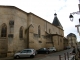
column 71, row 17
column 78, row 12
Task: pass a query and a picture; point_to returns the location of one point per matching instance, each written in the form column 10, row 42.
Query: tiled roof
column 56, row 21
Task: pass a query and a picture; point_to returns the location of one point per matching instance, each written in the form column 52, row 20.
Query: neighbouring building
column 20, row 30
column 72, row 40
column 65, row 42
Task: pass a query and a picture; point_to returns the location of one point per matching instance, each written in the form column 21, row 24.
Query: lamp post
column 78, row 12
column 71, row 18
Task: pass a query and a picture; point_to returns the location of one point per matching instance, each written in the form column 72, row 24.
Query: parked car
column 52, row 49
column 68, row 47
column 25, row 53
column 42, row 51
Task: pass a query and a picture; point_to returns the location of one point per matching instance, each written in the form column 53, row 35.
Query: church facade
column 20, row 30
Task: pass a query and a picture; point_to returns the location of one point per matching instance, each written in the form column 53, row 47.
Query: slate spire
column 56, row 21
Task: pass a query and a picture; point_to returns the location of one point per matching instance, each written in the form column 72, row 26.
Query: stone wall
column 29, row 22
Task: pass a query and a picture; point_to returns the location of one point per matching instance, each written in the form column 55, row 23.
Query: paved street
column 51, row 56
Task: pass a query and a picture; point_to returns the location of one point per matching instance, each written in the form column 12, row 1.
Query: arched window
column 39, row 32
column 21, row 32
column 4, row 30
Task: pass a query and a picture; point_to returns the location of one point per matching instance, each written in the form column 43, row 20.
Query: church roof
column 71, row 34
column 56, row 21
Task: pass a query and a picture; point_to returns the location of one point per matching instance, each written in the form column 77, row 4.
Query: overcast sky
column 46, row 9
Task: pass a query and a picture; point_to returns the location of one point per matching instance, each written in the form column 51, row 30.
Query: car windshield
column 26, row 51
column 42, row 49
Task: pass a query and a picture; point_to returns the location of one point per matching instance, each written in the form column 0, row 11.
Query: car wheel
column 36, row 53
column 53, row 51
column 32, row 56
column 47, row 52
column 17, row 57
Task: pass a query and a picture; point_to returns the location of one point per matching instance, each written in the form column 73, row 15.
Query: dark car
column 68, row 47
column 42, row 51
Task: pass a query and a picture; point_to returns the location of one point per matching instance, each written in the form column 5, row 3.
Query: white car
column 52, row 49
column 25, row 53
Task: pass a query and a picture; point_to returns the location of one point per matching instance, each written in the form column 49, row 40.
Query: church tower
column 56, row 21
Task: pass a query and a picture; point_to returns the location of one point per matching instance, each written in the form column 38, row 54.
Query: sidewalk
column 7, row 58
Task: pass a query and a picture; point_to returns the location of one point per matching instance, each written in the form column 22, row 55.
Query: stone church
column 20, row 30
